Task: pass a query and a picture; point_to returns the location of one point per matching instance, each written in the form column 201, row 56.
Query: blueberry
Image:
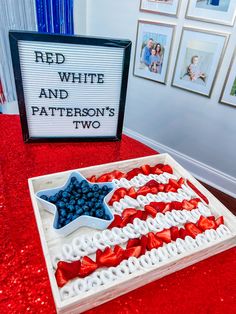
column 95, row 187
column 84, row 183
column 105, row 188
column 73, row 179
column 106, row 217
column 70, row 207
column 97, row 206
column 60, row 193
column 72, row 202
column 101, row 197
column 52, row 199
column 96, row 195
column 90, row 195
column 60, row 204
column 59, row 226
column 87, row 213
column 90, row 204
column 85, row 190
column 63, row 213
column 79, row 211
column 44, row 197
column 85, row 208
column 79, row 191
column 65, row 194
column 81, row 202
column 99, row 213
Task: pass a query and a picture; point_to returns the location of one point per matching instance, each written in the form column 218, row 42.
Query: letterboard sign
column 70, row 88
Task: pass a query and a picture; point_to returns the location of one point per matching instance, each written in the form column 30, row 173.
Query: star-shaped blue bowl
column 83, row 220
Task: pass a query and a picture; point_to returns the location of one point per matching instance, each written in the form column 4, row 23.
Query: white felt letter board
column 70, row 87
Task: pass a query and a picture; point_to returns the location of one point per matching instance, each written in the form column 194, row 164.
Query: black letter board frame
column 15, row 36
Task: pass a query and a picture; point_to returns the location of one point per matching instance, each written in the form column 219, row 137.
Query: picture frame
column 153, row 66
column 220, row 13
column 228, row 94
column 199, row 57
column 164, row 7
column 98, row 96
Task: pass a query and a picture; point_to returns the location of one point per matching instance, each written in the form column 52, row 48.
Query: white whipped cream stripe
column 142, row 179
column 148, row 260
column 89, row 244
column 183, row 193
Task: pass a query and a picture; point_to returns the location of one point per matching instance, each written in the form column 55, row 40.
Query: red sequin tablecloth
column 206, row 287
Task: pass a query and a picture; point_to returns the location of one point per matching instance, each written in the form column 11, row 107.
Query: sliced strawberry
column 87, row 267
column 168, row 188
column 195, row 201
column 132, row 173
column 144, row 215
column 114, row 198
column 192, row 229
column 219, row 221
column 204, row 223
column 154, row 190
column 187, row 205
column 118, row 174
column 150, row 210
column 132, row 243
column 132, row 192
column 161, row 187
column 153, row 241
column 183, row 233
column 144, row 190
column 159, row 206
column 98, row 254
column 211, row 218
column 181, row 181
column 125, row 221
column 103, row 178
column 60, row 277
column 164, row 235
column 143, row 243
column 108, row 258
column 174, row 231
column 176, row 205
column 92, row 179
column 139, row 215
column 133, row 251
column 167, row 208
column 116, row 222
column 167, row 168
column 174, row 184
column 121, row 192
column 70, row 269
column 193, row 187
column 156, row 170
column 152, row 183
column 160, row 166
column 119, row 252
column 146, row 169
column 128, row 212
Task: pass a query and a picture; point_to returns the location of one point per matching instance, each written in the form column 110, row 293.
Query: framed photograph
column 214, row 11
column 199, row 57
column 153, row 50
column 228, row 95
column 166, row 7
column 70, row 88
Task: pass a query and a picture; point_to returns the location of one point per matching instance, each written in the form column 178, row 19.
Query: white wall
column 191, row 124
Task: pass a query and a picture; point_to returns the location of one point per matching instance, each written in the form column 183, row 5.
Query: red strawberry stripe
column 135, row 247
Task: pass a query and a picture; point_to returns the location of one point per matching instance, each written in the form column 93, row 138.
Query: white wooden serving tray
column 52, row 242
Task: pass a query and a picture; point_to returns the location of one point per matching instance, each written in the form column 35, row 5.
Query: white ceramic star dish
column 83, row 220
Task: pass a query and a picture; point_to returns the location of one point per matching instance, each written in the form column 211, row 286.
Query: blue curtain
column 55, row 16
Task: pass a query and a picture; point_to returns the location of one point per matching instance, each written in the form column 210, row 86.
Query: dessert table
column 206, row 287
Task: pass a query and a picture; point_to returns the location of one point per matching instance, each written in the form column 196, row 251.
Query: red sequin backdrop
column 206, row 287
